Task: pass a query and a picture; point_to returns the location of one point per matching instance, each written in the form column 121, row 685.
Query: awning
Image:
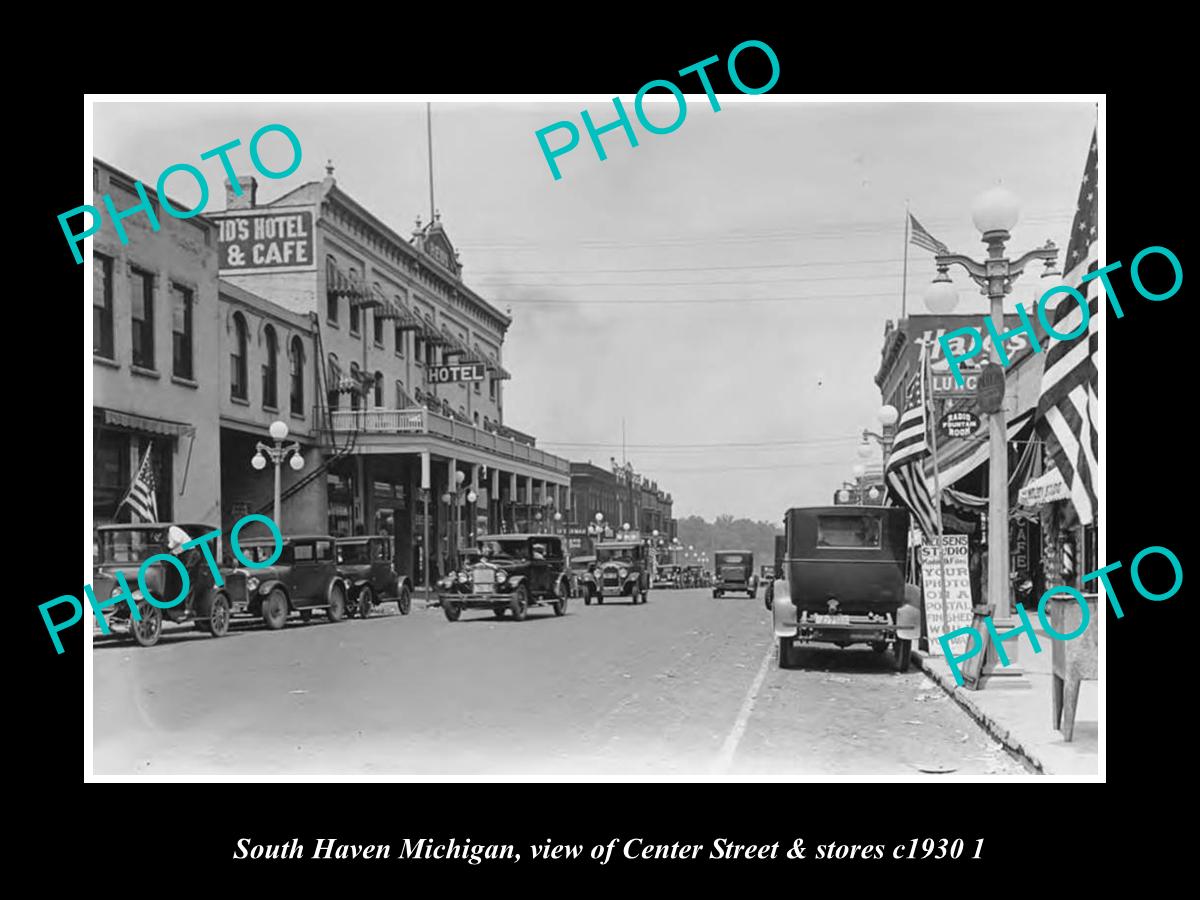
column 456, row 346
column 405, row 319
column 1045, row 489
column 147, row 424
column 429, row 331
column 979, row 455
column 499, row 370
column 357, row 291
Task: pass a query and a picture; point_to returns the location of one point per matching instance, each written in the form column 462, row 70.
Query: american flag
column 141, row 497
column 923, row 238
column 1067, row 408
column 905, row 475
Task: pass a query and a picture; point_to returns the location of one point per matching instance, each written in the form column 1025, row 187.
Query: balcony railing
column 423, row 421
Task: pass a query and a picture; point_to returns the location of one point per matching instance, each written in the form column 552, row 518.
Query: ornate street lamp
column 277, row 454
column 994, row 213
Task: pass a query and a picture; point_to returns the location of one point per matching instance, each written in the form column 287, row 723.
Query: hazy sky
column 726, row 284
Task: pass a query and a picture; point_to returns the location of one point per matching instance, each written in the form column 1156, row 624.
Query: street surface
column 684, row 685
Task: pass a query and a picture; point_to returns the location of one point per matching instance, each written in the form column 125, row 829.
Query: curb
column 963, row 698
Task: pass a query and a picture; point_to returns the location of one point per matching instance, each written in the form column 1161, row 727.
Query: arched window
column 356, row 377
column 401, row 397
column 335, row 375
column 379, row 390
column 420, row 397
column 238, row 379
column 270, row 369
column 297, row 376
column 331, row 298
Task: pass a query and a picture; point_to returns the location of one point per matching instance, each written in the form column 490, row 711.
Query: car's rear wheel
column 337, row 603
column 147, row 630
column 275, row 610
column 405, row 602
column 560, row 605
column 519, row 604
column 366, row 599
column 785, row 653
column 218, row 617
column 903, row 655
column 451, row 610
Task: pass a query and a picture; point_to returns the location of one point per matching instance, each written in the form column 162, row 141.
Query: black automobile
column 622, row 569
column 366, row 564
column 303, row 578
column 508, row 573
column 734, row 572
column 123, row 548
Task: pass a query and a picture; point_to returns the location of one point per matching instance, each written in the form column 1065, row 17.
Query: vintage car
column 776, row 571
column 734, row 572
column 304, row 577
column 123, row 548
column 622, row 569
column 365, row 563
column 509, row 573
column 844, row 581
column 668, row 576
column 578, row 567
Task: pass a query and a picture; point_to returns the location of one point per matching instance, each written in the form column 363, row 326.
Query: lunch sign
column 274, row 240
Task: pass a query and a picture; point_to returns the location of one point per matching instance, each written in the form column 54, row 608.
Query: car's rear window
column 730, row 560
column 133, row 545
column 848, row 531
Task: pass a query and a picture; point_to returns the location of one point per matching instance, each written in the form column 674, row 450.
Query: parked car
column 776, row 570
column 366, row 565
column 304, row 578
column 123, row 549
column 734, row 572
column 622, row 569
column 577, row 568
column 844, row 580
column 667, row 576
column 510, row 573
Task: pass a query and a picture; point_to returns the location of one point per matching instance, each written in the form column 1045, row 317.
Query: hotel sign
column 454, row 374
column 267, row 240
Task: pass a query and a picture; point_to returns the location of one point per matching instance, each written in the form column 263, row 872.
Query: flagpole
column 129, row 490
column 904, row 285
column 926, row 377
column 429, row 137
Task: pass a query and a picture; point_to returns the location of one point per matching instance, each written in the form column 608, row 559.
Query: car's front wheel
column 218, row 617
column 405, row 601
column 275, row 610
column 337, row 603
column 147, row 630
column 366, row 599
column 560, row 605
column 903, row 654
column 519, row 604
column 785, row 653
column 451, row 610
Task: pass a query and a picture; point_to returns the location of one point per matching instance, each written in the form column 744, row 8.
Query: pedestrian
column 194, row 564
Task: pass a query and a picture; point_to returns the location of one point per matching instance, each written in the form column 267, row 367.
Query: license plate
column 483, row 588
column 833, row 620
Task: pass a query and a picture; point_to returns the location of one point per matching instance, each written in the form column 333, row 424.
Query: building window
column 331, row 300
column 110, row 473
column 102, row 305
column 379, row 390
column 356, row 377
column 181, row 330
column 238, row 380
column 334, row 377
column 476, row 419
column 297, row 377
column 355, row 309
column 492, row 388
column 378, row 323
column 401, row 399
column 270, row 370
column 142, row 302
column 418, row 348
column 399, row 341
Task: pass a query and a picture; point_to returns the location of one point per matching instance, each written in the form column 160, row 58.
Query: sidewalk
column 1019, row 717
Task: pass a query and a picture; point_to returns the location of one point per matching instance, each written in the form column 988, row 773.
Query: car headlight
column 623, row 572
column 116, row 591
column 463, row 577
column 501, row 575
column 252, row 584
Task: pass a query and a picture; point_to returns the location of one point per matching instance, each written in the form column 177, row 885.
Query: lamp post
column 994, row 213
column 277, row 454
column 453, row 499
column 557, row 521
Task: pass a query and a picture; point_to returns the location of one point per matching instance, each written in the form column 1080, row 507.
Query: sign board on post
column 959, row 603
column 266, row 240
column 991, row 388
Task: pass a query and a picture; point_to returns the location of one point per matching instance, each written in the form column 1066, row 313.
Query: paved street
column 684, row 685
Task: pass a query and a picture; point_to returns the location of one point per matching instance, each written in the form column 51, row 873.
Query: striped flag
column 141, row 497
column 1068, row 407
column 923, row 238
column 905, row 475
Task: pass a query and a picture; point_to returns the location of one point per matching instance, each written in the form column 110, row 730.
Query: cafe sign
column 958, row 424
column 266, row 240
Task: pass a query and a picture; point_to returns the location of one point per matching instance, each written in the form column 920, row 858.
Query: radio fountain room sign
column 278, row 239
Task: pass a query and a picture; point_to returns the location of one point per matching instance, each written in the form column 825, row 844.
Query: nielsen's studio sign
column 448, row 374
column 274, row 240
